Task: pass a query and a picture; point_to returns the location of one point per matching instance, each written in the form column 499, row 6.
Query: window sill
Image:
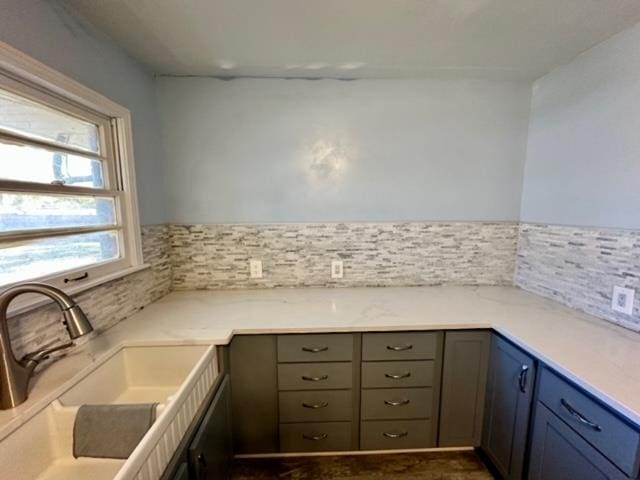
column 33, row 302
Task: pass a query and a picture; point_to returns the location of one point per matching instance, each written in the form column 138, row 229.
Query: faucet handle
column 33, row 358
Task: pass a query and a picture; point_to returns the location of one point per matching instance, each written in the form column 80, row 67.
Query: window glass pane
column 21, row 211
column 19, row 115
column 47, row 256
column 31, row 164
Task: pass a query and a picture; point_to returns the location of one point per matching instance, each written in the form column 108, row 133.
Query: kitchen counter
column 600, row 357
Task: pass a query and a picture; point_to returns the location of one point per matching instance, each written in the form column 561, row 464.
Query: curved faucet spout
column 15, row 375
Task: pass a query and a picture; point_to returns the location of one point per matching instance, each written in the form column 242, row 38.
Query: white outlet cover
column 337, row 269
column 255, row 268
column 622, row 300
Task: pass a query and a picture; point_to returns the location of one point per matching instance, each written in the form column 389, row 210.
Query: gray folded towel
column 111, row 431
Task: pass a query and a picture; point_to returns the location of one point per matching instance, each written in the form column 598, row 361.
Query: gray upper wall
column 583, row 159
column 273, row 150
column 46, row 31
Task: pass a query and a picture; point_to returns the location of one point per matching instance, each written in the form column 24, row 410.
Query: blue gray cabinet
column 508, row 406
column 182, row 473
column 464, row 376
column 205, row 449
column 211, row 451
column 559, row 453
column 318, row 391
column 254, row 393
column 400, row 390
column 294, row 393
column 574, row 433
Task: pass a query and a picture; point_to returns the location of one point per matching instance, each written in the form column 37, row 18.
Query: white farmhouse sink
column 176, row 377
column 42, row 449
column 136, row 375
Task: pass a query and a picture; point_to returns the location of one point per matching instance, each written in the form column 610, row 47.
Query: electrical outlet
column 337, row 270
column 622, row 300
column 255, row 268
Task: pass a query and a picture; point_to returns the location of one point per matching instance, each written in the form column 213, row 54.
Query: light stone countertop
column 602, row 358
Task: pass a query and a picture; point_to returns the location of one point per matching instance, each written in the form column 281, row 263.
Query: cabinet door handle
column 522, row 378
column 581, row 418
column 399, row 348
column 201, row 466
column 397, row 376
column 395, row 435
column 315, row 406
column 315, row 379
column 397, row 403
column 323, row 348
column 315, row 438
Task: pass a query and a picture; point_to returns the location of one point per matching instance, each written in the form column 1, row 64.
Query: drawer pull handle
column 522, row 379
column 395, row 435
column 582, row 419
column 315, row 349
column 315, row 379
column 397, row 376
column 397, row 403
column 315, row 438
column 399, row 348
column 315, row 406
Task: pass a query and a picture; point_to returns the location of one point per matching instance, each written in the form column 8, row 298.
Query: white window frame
column 27, row 77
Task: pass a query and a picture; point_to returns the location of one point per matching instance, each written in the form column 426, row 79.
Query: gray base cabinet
column 400, row 390
column 574, row 433
column 318, row 392
column 464, row 375
column 254, row 393
column 211, row 451
column 182, row 473
column 508, row 406
column 206, row 449
column 403, row 390
column 559, row 453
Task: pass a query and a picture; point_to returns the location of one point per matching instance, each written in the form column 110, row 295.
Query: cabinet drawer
column 315, row 406
column 315, row 348
column 314, row 376
column 384, row 435
column 397, row 374
column 315, row 437
column 400, row 346
column 616, row 439
column 392, row 403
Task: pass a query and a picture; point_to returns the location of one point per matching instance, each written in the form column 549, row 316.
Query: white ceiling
column 513, row 39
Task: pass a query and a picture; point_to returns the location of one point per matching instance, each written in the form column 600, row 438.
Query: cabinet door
column 508, row 406
column 559, row 453
column 211, row 451
column 182, row 473
column 464, row 377
column 254, row 393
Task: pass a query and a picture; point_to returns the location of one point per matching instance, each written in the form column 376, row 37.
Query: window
column 67, row 198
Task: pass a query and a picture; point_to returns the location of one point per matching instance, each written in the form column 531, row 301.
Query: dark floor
column 404, row 466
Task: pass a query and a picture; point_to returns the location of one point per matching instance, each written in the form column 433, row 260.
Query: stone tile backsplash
column 579, row 266
column 374, row 254
column 573, row 265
